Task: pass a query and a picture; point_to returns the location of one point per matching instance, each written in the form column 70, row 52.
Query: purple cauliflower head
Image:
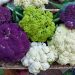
column 14, row 43
column 5, row 15
column 68, row 16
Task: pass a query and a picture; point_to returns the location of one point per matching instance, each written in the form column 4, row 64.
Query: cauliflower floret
column 34, row 44
column 72, row 59
column 38, row 59
column 35, row 67
column 45, row 66
column 24, row 61
column 46, row 49
column 33, row 53
column 51, row 56
column 37, row 2
column 17, row 2
column 64, row 43
column 26, row 3
column 63, row 58
column 43, row 56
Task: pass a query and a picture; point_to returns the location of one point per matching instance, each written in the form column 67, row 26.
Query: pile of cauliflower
column 38, row 26
column 26, row 3
column 39, row 57
column 61, row 49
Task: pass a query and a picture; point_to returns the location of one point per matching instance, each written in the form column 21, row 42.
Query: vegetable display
column 36, row 37
column 38, row 24
column 14, row 43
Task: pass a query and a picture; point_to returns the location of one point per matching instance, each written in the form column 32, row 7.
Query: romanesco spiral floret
column 38, row 24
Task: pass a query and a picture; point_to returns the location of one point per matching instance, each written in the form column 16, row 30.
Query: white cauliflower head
column 39, row 57
column 64, row 43
column 26, row 3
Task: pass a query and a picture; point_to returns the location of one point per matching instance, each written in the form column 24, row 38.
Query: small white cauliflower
column 3, row 1
column 26, row 3
column 39, row 57
column 64, row 43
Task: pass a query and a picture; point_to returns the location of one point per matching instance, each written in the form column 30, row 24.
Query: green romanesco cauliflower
column 37, row 23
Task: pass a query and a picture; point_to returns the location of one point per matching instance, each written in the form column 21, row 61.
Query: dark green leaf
column 65, row 1
column 1, row 72
column 57, row 19
column 56, row 4
column 68, row 72
column 11, row 6
column 17, row 12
